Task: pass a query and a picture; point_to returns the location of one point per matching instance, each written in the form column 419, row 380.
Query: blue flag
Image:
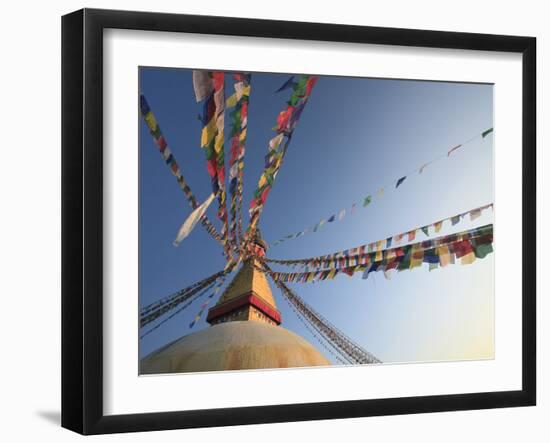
column 288, row 84
column 401, row 180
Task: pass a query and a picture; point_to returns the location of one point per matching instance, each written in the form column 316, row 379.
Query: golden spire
column 248, row 296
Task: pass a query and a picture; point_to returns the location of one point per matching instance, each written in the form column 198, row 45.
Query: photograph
column 294, row 220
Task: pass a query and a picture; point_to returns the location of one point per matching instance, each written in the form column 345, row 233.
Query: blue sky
column 355, row 135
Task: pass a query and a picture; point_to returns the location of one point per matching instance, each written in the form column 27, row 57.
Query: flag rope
column 337, row 338
column 186, row 305
column 170, row 161
column 211, row 85
column 368, row 199
column 286, row 124
column 396, row 239
column 439, row 252
column 153, row 311
column 239, row 123
column 326, row 344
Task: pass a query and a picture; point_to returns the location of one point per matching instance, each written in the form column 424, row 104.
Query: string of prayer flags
column 286, row 123
column 205, row 304
column 177, row 311
column 340, row 258
column 209, row 87
column 170, row 161
column 467, row 246
column 380, row 192
column 239, row 121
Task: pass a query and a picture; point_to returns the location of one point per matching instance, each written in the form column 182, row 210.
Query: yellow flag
column 208, row 133
column 444, row 255
column 151, row 121
column 231, row 101
column 468, row 259
column 417, row 257
column 218, row 144
column 262, row 181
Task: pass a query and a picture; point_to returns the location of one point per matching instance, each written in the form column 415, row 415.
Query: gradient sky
column 354, row 136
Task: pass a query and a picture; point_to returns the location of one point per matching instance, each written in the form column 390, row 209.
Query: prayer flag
column 143, row 105
column 452, row 150
column 208, row 133
column 287, row 85
column 275, row 141
column 202, row 84
column 417, row 257
column 438, row 225
column 367, row 200
column 401, row 180
column 150, row 120
column 421, row 170
column 486, row 133
column 476, row 213
column 468, row 258
column 481, row 251
column 425, row 230
column 231, row 101
column 192, row 220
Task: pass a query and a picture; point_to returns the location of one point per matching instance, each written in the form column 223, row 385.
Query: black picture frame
column 82, row 218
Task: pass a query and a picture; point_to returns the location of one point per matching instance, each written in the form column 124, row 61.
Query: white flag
column 192, row 220
column 202, row 84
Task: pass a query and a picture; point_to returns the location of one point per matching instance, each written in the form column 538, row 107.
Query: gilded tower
column 248, row 296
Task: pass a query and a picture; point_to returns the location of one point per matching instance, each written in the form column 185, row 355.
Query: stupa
column 245, row 332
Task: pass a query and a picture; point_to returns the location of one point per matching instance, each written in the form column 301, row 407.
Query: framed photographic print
column 270, row 221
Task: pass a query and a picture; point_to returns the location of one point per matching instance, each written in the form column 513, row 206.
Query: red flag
column 310, row 84
column 217, row 79
column 283, row 118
